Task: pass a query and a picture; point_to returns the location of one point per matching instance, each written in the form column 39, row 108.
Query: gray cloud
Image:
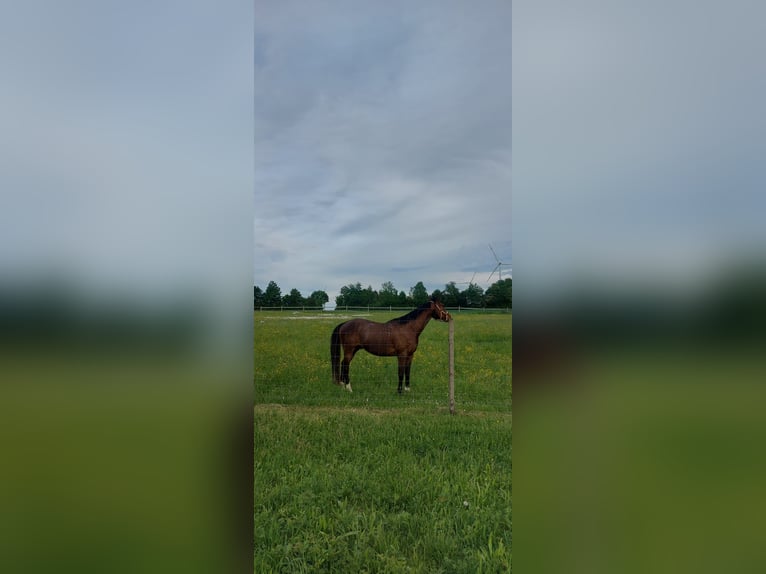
column 383, row 140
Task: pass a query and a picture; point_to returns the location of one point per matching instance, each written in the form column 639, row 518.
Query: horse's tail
column 335, row 354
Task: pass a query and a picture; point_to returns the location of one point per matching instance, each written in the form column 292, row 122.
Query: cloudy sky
column 639, row 139
column 126, row 145
column 382, row 143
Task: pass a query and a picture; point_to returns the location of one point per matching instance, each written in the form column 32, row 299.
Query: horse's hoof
column 406, row 389
column 348, row 388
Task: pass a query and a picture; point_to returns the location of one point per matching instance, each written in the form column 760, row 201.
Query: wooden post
column 451, row 367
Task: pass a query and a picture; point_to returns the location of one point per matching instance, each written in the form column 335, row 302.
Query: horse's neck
column 421, row 321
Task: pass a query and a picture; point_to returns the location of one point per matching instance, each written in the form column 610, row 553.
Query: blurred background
column 125, row 285
column 640, row 300
column 126, row 274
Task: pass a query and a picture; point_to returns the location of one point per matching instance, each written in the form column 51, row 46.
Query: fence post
column 451, row 367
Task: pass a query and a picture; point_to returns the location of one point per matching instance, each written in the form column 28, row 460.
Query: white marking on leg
column 348, row 387
column 407, row 389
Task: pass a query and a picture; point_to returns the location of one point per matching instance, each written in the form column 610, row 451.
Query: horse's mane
column 412, row 315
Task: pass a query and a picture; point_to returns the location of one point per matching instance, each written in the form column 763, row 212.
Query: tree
column 473, row 295
column 273, row 295
column 388, row 296
column 293, row 299
column 370, row 296
column 419, row 294
column 317, row 299
column 347, row 294
column 451, row 295
column 356, row 296
column 257, row 297
column 499, row 294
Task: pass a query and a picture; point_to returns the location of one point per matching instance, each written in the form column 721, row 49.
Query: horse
column 396, row 338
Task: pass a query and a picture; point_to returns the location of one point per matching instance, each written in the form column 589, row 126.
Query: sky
column 382, row 143
column 639, row 141
column 321, row 144
column 126, row 148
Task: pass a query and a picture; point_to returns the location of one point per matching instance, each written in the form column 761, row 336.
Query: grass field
column 371, row 481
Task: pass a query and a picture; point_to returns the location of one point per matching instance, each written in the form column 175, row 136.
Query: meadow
column 372, row 481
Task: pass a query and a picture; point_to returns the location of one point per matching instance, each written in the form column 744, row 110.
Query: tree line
column 497, row 295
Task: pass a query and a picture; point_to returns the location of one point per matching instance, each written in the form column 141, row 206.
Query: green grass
column 292, row 363
column 371, row 481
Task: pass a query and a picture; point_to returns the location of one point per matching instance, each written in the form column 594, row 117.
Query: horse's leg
column 402, row 368
column 348, row 354
column 407, row 365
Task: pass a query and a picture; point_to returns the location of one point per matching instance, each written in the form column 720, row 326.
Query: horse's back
column 353, row 330
column 371, row 336
column 355, row 325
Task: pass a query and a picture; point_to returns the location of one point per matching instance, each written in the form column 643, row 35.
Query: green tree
column 272, row 297
column 257, row 297
column 451, row 295
column 293, row 299
column 419, row 294
column 500, row 294
column 348, row 294
column 473, row 295
column 370, row 296
column 317, row 298
column 388, row 295
column 355, row 295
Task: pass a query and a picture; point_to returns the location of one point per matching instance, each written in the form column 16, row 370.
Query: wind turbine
column 498, row 267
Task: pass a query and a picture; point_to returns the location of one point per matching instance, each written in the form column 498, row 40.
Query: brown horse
column 398, row 337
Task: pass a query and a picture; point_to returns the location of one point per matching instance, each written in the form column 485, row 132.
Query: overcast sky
column 382, row 143
column 639, row 139
column 126, row 144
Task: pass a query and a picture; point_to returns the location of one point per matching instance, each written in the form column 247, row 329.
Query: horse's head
column 438, row 311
